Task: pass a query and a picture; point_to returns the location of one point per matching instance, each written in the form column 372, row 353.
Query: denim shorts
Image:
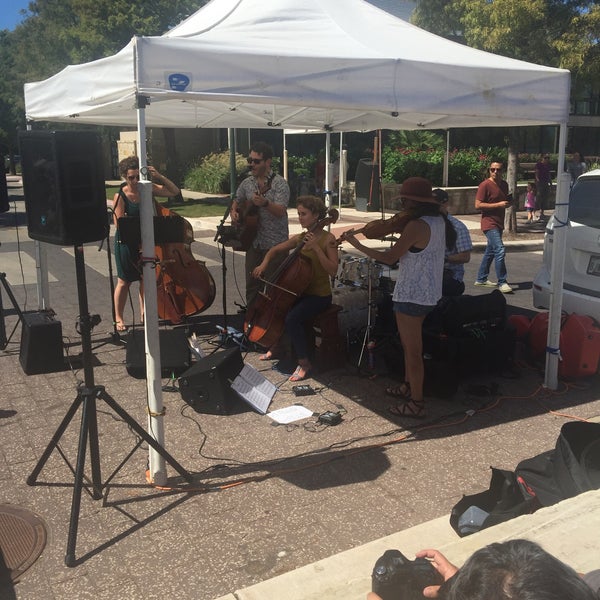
column 412, row 310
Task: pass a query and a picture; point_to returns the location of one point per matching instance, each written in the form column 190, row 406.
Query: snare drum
column 356, row 272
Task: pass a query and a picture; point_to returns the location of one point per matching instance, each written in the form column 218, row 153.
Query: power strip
column 303, row 390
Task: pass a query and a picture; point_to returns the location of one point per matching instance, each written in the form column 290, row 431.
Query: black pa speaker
column 206, row 387
column 41, row 344
column 367, row 186
column 63, row 183
column 174, row 353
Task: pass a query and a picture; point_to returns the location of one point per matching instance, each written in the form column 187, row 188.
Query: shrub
column 211, row 176
column 465, row 167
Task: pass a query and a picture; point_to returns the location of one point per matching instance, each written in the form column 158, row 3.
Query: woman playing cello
column 420, row 253
column 320, row 248
column 127, row 202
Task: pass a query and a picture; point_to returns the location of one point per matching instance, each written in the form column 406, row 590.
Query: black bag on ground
column 571, row 468
column 458, row 315
column 504, row 500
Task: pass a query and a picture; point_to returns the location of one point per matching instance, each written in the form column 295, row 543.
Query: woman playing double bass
column 127, row 202
column 320, row 248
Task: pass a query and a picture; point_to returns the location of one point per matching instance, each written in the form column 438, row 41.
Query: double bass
column 266, row 314
column 185, row 286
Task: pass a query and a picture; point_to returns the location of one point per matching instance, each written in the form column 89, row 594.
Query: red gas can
column 579, row 347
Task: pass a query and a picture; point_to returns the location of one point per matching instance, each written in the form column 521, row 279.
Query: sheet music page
column 254, row 388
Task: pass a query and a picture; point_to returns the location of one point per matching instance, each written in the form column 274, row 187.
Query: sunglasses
column 133, row 177
column 494, row 170
column 255, row 161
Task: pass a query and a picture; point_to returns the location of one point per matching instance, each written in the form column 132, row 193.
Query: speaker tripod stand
column 3, row 339
column 87, row 396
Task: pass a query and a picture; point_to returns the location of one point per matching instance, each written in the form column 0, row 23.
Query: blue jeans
column 494, row 251
column 305, row 309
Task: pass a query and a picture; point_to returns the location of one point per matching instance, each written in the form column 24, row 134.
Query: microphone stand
column 221, row 239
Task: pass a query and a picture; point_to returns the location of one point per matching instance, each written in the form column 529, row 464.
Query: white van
column 581, row 288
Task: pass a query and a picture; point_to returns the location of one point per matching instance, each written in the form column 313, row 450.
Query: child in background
column 530, row 201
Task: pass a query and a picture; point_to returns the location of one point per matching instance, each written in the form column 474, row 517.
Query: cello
column 185, row 286
column 265, row 317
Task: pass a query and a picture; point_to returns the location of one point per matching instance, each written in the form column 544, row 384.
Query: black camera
column 397, row 578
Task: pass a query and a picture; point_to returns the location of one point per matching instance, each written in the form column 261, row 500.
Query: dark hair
column 423, row 209
column 517, row 570
column 262, row 148
column 128, row 164
column 315, row 204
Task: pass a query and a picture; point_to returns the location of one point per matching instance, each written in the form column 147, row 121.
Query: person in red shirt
column 491, row 199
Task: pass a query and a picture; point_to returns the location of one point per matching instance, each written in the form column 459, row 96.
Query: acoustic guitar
column 248, row 222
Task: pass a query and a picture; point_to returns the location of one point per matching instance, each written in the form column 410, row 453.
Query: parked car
column 581, row 287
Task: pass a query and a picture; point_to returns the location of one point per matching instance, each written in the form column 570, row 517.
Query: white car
column 581, row 287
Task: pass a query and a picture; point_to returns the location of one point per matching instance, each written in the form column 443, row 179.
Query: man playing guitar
column 267, row 194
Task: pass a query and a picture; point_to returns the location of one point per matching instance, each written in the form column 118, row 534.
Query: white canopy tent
column 318, row 65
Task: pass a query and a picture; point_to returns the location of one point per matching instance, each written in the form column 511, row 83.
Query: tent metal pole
column 559, row 245
column 327, row 191
column 157, row 467
column 341, row 173
column 285, row 157
column 446, row 160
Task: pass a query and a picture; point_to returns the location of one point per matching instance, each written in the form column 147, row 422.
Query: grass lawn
column 190, row 207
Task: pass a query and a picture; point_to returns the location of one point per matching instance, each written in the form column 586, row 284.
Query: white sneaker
column 505, row 288
column 486, row 283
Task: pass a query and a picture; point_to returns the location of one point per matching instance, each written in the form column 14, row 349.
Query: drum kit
column 359, row 287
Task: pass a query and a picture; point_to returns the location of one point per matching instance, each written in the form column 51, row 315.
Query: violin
column 381, row 227
column 185, row 286
column 265, row 317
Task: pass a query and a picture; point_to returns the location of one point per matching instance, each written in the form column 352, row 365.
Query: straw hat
column 418, row 189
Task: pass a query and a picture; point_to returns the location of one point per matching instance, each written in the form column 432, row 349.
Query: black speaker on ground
column 206, row 387
column 174, row 353
column 63, row 183
column 41, row 344
column 368, row 194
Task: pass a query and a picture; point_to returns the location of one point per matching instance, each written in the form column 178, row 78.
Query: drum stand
column 367, row 342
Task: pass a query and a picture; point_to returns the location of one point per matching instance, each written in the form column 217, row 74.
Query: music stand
column 167, row 230
column 87, row 394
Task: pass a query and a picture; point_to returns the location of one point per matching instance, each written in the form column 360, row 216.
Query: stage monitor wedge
column 63, row 183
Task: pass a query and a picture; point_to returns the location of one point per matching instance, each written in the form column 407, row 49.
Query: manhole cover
column 22, row 539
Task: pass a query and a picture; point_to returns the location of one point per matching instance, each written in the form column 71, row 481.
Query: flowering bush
column 211, row 176
column 465, row 167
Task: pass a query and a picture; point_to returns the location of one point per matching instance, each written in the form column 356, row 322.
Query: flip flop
column 121, row 327
column 296, row 374
column 399, row 391
column 411, row 410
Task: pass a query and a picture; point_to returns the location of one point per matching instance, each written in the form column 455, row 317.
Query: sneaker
column 505, row 288
column 486, row 283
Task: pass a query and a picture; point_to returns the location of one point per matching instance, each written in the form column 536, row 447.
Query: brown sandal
column 399, row 391
column 410, row 409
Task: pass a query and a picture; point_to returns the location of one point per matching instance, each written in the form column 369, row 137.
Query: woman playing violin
column 320, row 249
column 127, row 202
column 420, row 254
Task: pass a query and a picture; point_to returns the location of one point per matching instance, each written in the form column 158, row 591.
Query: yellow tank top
column 320, row 284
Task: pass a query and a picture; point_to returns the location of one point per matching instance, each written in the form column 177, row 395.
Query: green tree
column 57, row 33
column 557, row 33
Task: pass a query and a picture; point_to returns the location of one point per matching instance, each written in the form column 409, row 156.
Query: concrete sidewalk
column 568, row 530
